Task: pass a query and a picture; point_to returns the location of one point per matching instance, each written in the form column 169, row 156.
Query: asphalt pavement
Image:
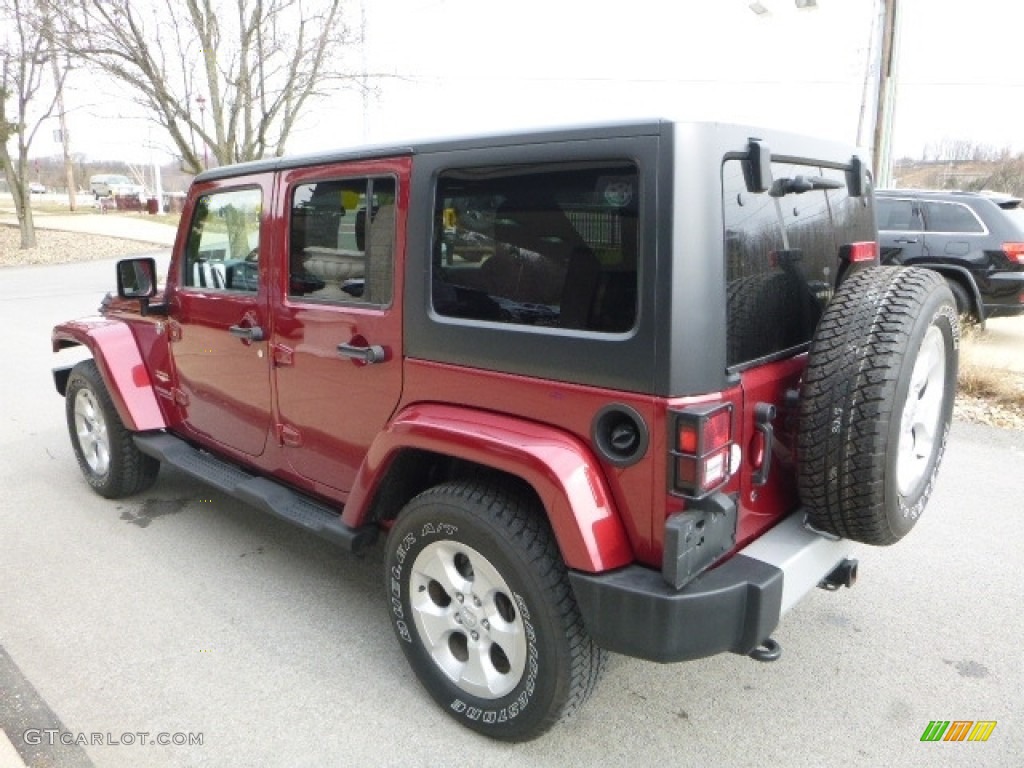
column 186, row 616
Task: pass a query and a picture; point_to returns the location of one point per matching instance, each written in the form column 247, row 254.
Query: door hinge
column 282, row 356
column 289, row 435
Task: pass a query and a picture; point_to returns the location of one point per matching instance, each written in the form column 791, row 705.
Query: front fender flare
column 119, row 360
column 558, row 466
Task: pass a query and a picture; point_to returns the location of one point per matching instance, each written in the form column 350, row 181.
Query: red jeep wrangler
column 633, row 388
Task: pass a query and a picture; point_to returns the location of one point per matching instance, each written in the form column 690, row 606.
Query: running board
column 260, row 492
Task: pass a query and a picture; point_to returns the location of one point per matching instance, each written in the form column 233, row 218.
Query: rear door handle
column 905, row 240
column 371, row 353
column 247, row 332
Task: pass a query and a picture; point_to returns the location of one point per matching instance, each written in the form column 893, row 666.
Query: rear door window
column 899, row 215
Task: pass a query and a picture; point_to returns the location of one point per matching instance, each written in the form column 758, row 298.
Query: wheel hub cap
column 91, row 428
column 468, row 619
column 922, row 413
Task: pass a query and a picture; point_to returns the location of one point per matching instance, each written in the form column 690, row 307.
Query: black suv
column 974, row 239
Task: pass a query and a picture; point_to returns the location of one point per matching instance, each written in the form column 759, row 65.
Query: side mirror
column 136, row 278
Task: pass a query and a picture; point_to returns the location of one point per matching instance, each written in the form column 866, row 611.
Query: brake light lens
column 1014, row 252
column 701, row 456
column 859, row 253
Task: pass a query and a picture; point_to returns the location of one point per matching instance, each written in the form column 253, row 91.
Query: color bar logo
column 958, row 730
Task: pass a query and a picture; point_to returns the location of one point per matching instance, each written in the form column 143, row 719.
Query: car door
column 337, row 334
column 218, row 320
column 900, row 230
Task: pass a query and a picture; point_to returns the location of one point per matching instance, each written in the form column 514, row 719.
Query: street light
column 201, row 101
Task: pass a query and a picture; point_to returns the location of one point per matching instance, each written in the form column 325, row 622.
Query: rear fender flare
column 559, row 467
column 119, row 360
column 962, row 275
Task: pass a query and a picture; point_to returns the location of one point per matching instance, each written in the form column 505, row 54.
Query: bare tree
column 27, row 97
column 231, row 74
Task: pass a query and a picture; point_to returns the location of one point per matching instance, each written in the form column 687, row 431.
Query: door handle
column 905, row 240
column 372, row 353
column 247, row 332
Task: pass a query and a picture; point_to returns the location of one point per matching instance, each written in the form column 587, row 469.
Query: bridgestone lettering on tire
column 481, row 605
column 877, row 403
column 104, row 447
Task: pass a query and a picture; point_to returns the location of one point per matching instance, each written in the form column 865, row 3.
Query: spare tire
column 876, row 405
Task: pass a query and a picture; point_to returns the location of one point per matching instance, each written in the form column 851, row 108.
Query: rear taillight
column 701, row 452
column 857, row 253
column 1014, row 252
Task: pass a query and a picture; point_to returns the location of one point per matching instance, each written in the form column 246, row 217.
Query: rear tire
column 964, row 305
column 106, row 452
column 877, row 403
column 482, row 607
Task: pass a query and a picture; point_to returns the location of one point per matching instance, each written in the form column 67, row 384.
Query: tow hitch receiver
column 843, row 575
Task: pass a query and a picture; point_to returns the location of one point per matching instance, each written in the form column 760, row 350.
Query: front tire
column 106, row 452
column 482, row 607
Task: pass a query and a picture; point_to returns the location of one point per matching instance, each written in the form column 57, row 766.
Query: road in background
column 183, row 612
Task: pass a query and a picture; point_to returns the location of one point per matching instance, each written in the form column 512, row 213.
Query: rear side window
column 223, row 242
column 782, row 256
column 553, row 245
column 951, row 218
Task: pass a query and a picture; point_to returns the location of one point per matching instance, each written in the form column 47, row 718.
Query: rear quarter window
column 545, row 246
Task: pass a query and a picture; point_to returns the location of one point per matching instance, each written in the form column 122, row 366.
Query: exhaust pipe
column 843, row 575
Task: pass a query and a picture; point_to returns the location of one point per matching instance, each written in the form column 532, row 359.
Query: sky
column 456, row 67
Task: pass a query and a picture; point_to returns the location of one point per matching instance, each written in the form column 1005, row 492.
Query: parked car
column 634, row 388
column 975, row 240
column 112, row 184
column 36, row 188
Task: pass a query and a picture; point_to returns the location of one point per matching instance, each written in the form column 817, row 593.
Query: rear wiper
column 800, row 184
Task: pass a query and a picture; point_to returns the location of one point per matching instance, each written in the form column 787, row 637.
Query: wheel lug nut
column 460, row 597
column 476, row 601
column 475, row 635
column 458, row 618
column 485, row 624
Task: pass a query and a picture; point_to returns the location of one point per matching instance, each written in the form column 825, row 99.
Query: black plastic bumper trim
column 633, row 610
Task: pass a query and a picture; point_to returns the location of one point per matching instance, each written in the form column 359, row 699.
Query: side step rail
column 260, row 492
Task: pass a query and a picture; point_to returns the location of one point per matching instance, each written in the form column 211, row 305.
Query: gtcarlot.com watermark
column 52, row 736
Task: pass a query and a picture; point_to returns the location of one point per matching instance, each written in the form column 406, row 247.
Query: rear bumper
column 1002, row 297
column 733, row 607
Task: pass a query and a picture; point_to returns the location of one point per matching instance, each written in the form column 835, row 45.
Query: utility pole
column 58, row 80
column 886, row 96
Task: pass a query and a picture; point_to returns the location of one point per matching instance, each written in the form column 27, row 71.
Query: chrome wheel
column 922, row 412
column 91, row 429
column 468, row 619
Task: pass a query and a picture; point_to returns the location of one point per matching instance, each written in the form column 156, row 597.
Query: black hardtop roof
column 378, row 151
